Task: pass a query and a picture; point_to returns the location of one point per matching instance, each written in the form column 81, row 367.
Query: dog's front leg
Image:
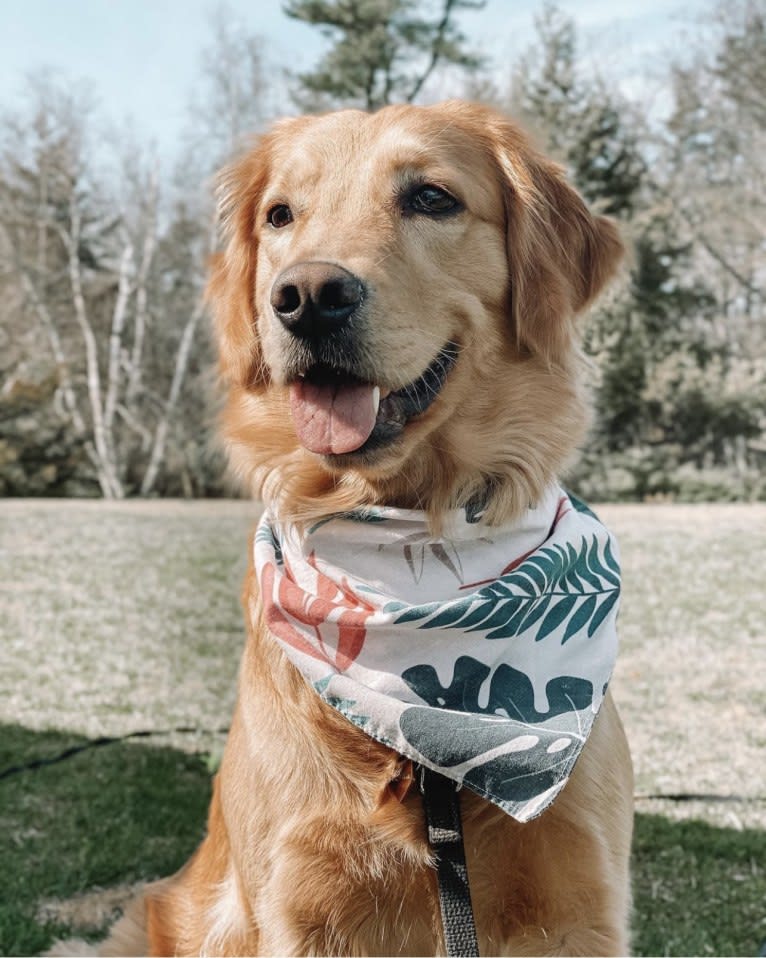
column 342, row 889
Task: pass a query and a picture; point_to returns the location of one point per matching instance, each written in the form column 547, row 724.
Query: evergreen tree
column 582, row 123
column 654, row 335
column 383, row 50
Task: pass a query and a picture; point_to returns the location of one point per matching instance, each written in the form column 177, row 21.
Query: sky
column 140, row 57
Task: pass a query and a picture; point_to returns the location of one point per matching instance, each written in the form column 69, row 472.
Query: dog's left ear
column 560, row 255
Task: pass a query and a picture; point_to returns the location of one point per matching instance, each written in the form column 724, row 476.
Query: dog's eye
column 432, row 200
column 280, row 215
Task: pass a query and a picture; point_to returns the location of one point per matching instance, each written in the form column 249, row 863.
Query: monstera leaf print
column 556, row 586
column 510, row 691
column 502, row 749
column 495, row 757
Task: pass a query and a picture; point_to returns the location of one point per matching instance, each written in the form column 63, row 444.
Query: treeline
column 680, row 350
column 107, row 370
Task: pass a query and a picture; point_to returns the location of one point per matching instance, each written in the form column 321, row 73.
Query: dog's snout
column 316, row 298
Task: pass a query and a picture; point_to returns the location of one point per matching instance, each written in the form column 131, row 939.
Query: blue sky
column 140, row 57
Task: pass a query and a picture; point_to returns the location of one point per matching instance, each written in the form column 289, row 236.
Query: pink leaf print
column 335, row 603
column 278, row 623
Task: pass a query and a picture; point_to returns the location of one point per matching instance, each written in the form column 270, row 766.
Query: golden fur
column 309, row 850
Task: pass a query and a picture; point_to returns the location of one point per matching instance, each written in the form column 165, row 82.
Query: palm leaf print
column 559, row 587
column 414, row 552
column 265, row 533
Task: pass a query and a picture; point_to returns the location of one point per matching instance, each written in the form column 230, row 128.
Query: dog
column 395, row 311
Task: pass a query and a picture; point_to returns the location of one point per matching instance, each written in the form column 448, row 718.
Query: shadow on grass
column 698, row 889
column 115, row 814
column 129, row 811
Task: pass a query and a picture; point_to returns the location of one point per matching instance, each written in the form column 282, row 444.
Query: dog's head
column 395, row 311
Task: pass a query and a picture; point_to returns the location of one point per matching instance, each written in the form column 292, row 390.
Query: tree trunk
column 115, row 338
column 142, row 299
column 105, row 462
column 179, row 373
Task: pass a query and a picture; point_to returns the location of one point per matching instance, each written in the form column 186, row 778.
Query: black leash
column 441, row 802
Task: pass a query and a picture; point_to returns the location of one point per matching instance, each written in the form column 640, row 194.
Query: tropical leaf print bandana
column 483, row 654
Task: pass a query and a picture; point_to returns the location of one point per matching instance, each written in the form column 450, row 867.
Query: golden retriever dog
column 430, row 264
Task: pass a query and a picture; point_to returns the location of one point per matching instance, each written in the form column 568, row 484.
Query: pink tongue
column 332, row 419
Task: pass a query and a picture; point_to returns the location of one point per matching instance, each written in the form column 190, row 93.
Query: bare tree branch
column 436, row 51
column 62, row 363
column 105, row 462
column 136, row 426
column 179, row 373
column 124, row 289
column 701, row 237
column 142, row 299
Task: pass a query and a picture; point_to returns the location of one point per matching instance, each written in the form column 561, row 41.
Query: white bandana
column 484, row 654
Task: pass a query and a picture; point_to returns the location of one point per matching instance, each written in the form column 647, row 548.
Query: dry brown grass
column 689, row 679
column 122, row 616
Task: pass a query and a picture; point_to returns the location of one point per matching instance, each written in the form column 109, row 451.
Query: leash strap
column 445, row 835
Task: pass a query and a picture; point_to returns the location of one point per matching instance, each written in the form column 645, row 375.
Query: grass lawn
column 103, row 817
column 117, row 618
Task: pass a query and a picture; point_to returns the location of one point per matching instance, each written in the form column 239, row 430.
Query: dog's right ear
column 231, row 287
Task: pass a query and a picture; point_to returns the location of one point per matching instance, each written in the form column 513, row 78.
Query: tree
column 713, row 155
column 234, row 97
column 583, row 124
column 232, row 103
column 55, row 235
column 739, row 63
column 581, row 120
column 710, row 163
column 105, row 275
column 659, row 338
column 383, row 51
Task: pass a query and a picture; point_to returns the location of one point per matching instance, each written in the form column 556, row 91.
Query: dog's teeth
column 376, row 398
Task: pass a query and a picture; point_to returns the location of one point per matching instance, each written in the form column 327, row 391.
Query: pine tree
column 655, row 332
column 582, row 123
column 383, row 51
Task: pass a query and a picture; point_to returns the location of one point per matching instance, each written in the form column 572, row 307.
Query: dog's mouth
column 335, row 413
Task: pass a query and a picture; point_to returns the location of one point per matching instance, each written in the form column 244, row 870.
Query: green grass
column 105, row 816
column 121, row 617
column 127, row 811
column 699, row 890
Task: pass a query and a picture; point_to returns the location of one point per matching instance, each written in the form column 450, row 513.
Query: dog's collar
column 483, row 654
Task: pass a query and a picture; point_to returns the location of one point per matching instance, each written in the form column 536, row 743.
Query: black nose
column 315, row 299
